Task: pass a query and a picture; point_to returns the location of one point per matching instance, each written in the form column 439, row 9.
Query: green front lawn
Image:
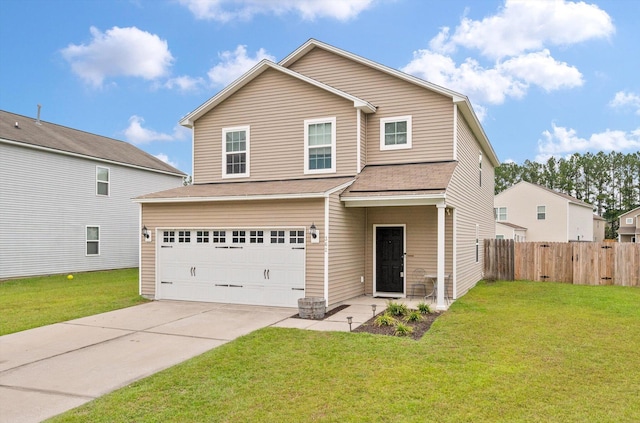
column 33, row 302
column 505, row 352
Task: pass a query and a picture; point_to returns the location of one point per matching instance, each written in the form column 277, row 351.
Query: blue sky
column 545, row 77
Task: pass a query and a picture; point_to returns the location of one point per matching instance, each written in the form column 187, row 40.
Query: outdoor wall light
column 146, row 234
column 373, row 308
column 350, row 321
column 313, row 231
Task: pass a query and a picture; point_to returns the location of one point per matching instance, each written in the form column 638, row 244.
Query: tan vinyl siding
column 473, row 204
column 346, row 251
column 274, row 105
column 421, row 239
column 431, row 112
column 229, row 215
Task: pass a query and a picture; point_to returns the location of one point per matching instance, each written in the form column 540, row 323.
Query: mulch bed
column 419, row 328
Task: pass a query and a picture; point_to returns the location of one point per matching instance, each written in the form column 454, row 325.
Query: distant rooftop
column 25, row 130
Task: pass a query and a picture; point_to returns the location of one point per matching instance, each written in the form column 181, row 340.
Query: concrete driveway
column 51, row 369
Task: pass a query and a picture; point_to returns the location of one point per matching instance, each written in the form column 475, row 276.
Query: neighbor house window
column 542, row 212
column 320, row 145
column 501, row 213
column 102, row 180
column 499, row 236
column 395, row 133
column 629, row 220
column 93, row 240
column 235, row 148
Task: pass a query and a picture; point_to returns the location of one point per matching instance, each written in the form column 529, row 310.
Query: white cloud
column 513, row 50
column 136, row 134
column 184, row 83
column 561, row 141
column 227, row 10
column 119, row 52
column 165, row 159
column 235, row 63
column 525, row 25
column 623, row 99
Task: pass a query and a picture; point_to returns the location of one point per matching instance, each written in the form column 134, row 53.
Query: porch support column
column 440, row 305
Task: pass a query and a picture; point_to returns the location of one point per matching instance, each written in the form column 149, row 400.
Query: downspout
column 139, row 250
column 358, row 140
column 326, row 249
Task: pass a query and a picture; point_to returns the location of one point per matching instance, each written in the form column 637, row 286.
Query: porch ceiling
column 400, row 184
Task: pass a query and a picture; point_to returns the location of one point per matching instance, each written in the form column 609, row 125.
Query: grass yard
column 505, row 352
column 33, row 302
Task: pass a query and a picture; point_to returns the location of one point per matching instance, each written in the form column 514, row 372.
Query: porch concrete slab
column 360, row 313
column 146, row 316
column 29, row 346
column 225, row 323
column 19, row 406
column 102, row 368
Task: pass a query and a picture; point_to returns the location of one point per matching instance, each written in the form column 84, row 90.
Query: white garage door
column 240, row 266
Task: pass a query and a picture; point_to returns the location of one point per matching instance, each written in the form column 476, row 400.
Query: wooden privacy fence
column 580, row 263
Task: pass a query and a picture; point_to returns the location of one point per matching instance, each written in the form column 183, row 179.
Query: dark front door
column 390, row 259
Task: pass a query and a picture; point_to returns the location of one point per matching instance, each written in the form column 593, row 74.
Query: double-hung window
column 102, row 181
column 542, row 212
column 320, row 145
column 501, row 213
column 93, row 240
column 395, row 133
column 235, row 152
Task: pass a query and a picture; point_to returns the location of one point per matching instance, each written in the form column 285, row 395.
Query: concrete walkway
column 52, row 369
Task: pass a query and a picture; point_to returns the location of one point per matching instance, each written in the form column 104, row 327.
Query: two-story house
column 324, row 175
column 65, row 198
column 544, row 214
column 629, row 230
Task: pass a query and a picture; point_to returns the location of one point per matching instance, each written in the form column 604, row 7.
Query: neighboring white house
column 629, row 230
column 547, row 215
column 506, row 230
column 65, row 198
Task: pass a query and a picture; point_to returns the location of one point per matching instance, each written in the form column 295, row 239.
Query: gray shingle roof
column 247, row 190
column 66, row 140
column 401, row 179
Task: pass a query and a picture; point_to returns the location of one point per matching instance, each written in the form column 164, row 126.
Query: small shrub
column 385, row 319
column 403, row 330
column 413, row 316
column 424, row 308
column 397, row 309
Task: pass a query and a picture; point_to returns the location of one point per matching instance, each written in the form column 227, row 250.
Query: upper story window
column 320, row 145
column 542, row 212
column 395, row 133
column 629, row 221
column 102, row 180
column 235, row 150
column 501, row 213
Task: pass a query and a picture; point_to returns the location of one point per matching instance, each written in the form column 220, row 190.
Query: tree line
column 610, row 182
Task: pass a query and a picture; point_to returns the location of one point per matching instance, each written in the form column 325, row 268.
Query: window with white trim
column 102, row 181
column 235, row 152
column 629, row 220
column 501, row 213
column 320, row 145
column 480, row 166
column 500, row 236
column 93, row 240
column 395, row 133
column 542, row 212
